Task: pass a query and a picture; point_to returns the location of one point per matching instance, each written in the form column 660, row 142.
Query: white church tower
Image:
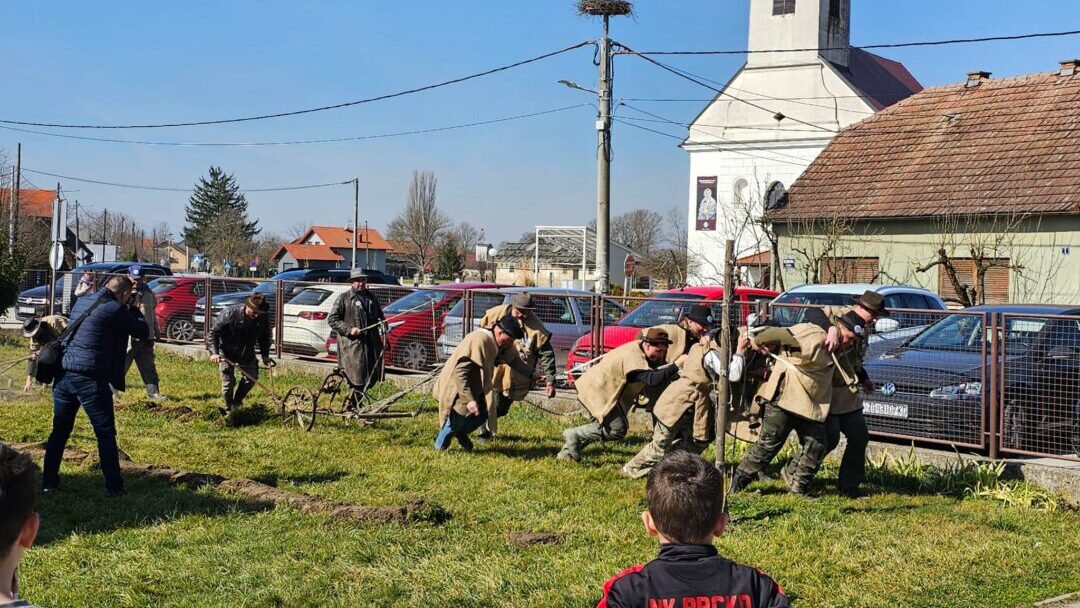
column 775, row 115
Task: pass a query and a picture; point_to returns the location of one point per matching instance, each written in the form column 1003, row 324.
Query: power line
column 715, row 147
column 863, row 130
column 298, row 142
column 894, row 45
column 166, row 189
column 336, row 106
column 697, row 81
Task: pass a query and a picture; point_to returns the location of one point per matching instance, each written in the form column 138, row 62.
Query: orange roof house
column 331, row 247
column 32, row 202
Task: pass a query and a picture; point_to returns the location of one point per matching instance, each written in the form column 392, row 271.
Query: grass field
column 167, row 546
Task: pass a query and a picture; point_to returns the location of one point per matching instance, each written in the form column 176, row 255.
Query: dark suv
column 34, row 303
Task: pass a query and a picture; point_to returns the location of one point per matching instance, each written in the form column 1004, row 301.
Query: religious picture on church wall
column 706, row 203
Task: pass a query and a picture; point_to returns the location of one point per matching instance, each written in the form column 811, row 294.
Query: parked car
column 566, row 313
column 34, row 303
column 415, row 321
column 665, row 307
column 176, row 300
column 934, row 386
column 896, row 296
column 304, row 324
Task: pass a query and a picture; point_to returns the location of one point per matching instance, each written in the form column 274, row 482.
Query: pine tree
column 448, row 262
column 213, row 197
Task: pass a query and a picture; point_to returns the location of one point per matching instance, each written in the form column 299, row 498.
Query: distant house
column 566, row 258
column 968, row 185
column 175, row 255
column 35, row 213
column 332, row 247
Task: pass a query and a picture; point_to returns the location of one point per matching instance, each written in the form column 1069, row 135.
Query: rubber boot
column 153, row 393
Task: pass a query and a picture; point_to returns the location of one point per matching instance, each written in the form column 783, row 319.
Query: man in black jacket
column 232, row 343
column 93, row 360
column 684, row 495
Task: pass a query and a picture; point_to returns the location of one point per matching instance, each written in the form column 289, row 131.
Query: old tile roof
column 32, row 202
column 309, row 252
column 1005, row 145
column 761, row 258
column 341, row 238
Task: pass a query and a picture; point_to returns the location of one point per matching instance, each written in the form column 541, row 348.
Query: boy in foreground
column 18, row 521
column 685, row 497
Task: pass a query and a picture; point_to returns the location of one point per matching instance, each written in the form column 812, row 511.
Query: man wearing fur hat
column 697, row 320
column 533, row 347
column 233, row 341
column 357, row 318
column 624, row 378
column 466, row 378
column 41, row 332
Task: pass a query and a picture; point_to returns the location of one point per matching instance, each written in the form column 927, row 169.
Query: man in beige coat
column 465, row 381
column 797, row 396
column 534, row 347
column 626, row 377
column 697, row 320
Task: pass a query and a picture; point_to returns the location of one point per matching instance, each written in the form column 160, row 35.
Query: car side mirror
column 886, row 325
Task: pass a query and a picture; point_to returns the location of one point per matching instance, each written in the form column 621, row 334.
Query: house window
column 783, row 7
column 996, row 280
column 849, row 270
column 834, row 9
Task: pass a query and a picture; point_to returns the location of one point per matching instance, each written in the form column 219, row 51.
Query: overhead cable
column 167, row 189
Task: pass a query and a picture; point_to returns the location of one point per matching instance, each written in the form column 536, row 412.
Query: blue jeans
column 69, row 392
column 458, row 426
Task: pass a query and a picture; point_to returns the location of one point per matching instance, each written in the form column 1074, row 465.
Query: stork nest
column 599, row 8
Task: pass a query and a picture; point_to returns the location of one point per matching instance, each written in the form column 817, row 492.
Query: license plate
column 891, row 410
column 198, row 318
column 27, row 310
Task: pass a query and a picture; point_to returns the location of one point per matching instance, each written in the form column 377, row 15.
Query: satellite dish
column 775, row 196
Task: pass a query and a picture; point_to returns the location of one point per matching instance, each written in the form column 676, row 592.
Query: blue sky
column 118, row 62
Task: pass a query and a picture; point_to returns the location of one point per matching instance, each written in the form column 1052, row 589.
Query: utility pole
column 12, row 214
column 367, row 247
column 16, row 188
column 605, row 9
column 78, row 237
column 356, row 219
column 723, row 389
column 104, row 231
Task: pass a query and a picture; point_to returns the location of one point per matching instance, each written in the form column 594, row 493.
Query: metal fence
column 1001, row 383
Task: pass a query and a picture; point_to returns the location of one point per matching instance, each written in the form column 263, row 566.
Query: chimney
column 1068, row 67
column 976, row 78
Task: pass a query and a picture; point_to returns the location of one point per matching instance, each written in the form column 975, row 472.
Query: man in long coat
column 357, row 318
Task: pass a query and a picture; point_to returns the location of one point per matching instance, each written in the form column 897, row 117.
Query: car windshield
column 659, row 312
column 311, row 297
column 417, row 300
column 966, row 332
column 482, row 301
column 268, row 287
column 159, row 286
column 793, row 313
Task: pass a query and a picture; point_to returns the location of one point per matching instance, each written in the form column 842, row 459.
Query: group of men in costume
column 803, row 378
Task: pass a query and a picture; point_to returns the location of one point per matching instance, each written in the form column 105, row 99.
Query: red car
column 176, row 297
column 415, row 322
column 665, row 307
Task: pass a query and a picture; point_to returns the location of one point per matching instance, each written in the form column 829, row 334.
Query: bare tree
column 669, row 262
column 225, row 242
column 465, row 236
column 421, row 222
column 297, row 229
column 820, row 245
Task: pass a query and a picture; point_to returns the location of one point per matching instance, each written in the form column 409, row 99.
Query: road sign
column 56, row 256
column 629, row 264
column 789, row 263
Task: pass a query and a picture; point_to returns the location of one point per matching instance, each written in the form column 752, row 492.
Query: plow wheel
column 299, row 406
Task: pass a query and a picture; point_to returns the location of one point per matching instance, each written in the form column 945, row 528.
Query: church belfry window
column 783, row 7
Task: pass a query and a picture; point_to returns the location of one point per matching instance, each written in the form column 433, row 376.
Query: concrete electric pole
column 356, row 218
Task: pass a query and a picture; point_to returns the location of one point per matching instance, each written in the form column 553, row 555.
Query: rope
column 10, row 364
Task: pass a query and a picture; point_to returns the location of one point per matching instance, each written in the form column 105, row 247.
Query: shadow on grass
column 273, row 478
column 81, row 507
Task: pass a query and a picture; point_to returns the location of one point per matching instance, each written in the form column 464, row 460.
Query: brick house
column 331, row 247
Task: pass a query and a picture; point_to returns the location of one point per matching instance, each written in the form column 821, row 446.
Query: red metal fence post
column 279, row 324
column 993, row 377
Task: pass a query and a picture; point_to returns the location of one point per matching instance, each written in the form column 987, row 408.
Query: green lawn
column 165, row 546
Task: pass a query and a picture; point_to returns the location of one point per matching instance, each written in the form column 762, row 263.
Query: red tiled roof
column 1005, row 145
column 761, row 258
column 33, row 203
column 309, row 252
column 341, row 238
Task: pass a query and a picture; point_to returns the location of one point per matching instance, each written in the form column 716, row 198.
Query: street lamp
column 573, row 85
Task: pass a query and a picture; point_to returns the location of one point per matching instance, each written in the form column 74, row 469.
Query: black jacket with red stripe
column 692, row 576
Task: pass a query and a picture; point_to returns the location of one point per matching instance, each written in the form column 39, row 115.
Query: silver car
column 566, row 313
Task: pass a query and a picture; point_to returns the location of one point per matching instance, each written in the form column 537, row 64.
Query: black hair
column 685, row 495
column 18, row 481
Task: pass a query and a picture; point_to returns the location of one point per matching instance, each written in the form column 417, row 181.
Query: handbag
column 52, row 354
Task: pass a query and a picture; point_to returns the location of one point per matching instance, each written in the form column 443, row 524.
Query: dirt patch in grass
column 262, row 494
column 528, row 538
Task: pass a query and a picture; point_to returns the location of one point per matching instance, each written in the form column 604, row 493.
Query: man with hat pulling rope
column 41, row 332
column 357, row 318
column 535, row 346
column 466, row 378
column 232, row 342
column 683, row 415
column 845, row 412
column 626, row 376
column 797, row 396
column 697, row 320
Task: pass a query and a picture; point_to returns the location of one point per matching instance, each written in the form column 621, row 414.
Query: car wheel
column 412, row 355
column 181, row 330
